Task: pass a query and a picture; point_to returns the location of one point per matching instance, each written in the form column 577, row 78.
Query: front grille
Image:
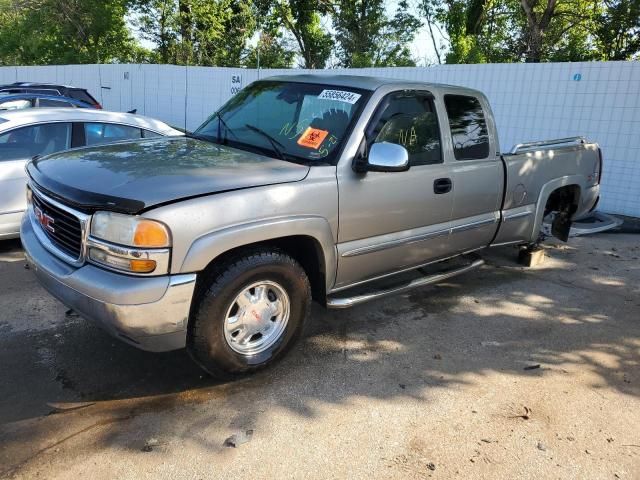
column 65, row 229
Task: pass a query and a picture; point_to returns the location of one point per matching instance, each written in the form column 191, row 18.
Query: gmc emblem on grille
column 45, row 220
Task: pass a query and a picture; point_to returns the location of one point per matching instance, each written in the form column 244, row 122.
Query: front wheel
column 249, row 312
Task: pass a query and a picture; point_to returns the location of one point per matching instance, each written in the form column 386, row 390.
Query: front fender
column 211, row 245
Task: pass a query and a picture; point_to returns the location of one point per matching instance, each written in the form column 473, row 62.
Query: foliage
column 617, row 30
column 537, row 30
column 64, row 31
column 197, row 32
column 367, row 37
column 315, row 33
column 303, row 19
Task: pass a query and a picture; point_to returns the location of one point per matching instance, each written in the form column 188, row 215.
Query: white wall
column 600, row 100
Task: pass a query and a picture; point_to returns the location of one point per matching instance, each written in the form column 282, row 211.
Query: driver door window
column 409, row 119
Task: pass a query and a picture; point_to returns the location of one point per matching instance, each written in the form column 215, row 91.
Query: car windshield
column 294, row 121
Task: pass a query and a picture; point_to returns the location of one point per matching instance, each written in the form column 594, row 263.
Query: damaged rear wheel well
column 563, row 202
column 562, row 199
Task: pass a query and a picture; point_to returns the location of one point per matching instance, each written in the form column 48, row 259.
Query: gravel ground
column 505, row 372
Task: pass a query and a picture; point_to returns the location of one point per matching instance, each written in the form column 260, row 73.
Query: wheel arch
column 309, row 240
column 566, row 188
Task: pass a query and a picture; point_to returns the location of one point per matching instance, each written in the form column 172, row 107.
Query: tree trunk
column 536, row 26
column 186, row 31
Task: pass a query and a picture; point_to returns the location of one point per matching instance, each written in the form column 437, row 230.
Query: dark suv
column 51, row 89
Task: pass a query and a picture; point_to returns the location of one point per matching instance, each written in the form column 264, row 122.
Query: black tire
column 217, row 290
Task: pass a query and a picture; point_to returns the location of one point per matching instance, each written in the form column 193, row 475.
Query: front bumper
column 150, row 313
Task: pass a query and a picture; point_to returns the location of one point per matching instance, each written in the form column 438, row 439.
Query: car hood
column 131, row 177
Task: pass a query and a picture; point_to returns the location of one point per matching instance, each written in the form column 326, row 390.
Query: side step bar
column 346, row 302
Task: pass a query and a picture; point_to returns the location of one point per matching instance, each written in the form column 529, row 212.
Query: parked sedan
column 27, row 133
column 21, row 101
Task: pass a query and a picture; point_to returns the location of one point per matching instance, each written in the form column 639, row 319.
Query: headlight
column 129, row 230
column 129, row 244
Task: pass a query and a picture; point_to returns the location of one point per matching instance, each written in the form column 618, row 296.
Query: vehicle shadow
column 578, row 312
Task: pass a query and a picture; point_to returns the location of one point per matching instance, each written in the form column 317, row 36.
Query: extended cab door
column 389, row 221
column 476, row 168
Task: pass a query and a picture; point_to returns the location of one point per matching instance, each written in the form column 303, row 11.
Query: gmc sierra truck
column 339, row 189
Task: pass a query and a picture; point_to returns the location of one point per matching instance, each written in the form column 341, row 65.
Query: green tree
column 302, row 18
column 64, row 31
column 273, row 53
column 157, row 22
column 367, row 37
column 536, row 30
column 198, row 32
column 617, row 30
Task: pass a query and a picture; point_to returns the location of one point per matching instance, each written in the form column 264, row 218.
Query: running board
column 346, row 302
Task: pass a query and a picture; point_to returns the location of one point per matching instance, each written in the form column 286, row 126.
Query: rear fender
column 545, row 192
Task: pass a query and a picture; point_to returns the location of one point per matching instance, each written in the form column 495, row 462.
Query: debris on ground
column 542, row 447
column 526, row 415
column 238, row 439
column 437, row 356
column 431, row 466
column 532, row 367
column 149, row 444
column 70, row 313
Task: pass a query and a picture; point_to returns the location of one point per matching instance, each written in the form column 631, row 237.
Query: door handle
column 442, row 185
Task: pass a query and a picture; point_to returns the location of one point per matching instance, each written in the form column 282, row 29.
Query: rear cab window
column 469, row 132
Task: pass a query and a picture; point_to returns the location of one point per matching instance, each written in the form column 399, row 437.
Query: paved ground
column 430, row 384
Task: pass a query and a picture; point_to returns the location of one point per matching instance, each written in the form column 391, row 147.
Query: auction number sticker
column 339, row 95
column 312, row 138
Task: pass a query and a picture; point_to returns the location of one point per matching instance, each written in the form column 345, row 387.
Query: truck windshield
column 293, row 121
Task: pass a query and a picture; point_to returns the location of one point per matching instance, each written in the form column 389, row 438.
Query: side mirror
column 387, row 157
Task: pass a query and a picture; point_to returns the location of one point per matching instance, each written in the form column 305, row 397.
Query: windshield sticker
column 339, row 95
column 312, row 138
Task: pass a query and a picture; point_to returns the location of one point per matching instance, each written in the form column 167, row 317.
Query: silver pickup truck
column 340, row 189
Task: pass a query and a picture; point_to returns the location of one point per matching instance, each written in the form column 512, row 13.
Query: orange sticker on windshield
column 312, row 138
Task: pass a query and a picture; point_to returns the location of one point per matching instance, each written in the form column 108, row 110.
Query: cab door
column 476, row 170
column 389, row 221
column 17, row 147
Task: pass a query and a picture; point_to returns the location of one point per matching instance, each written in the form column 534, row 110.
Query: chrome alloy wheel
column 257, row 318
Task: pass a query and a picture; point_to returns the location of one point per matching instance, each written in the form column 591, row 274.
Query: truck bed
column 533, row 171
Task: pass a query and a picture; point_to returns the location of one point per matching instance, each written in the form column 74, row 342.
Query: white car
column 27, row 133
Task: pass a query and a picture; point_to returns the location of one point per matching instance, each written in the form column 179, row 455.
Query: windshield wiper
column 278, row 148
column 224, row 124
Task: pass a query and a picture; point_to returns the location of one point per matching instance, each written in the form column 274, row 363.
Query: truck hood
column 134, row 176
